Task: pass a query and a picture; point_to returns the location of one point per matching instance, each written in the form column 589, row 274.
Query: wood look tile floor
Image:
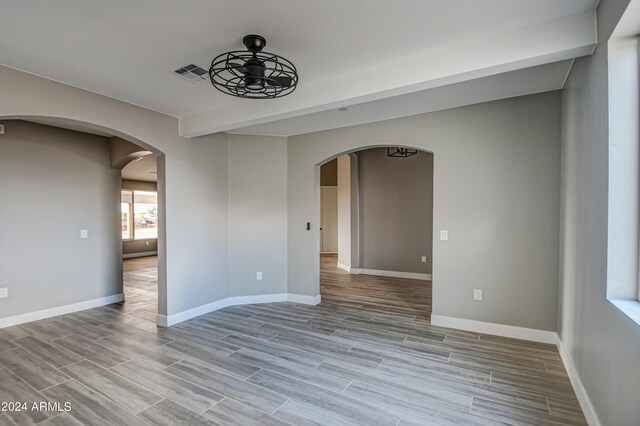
column 365, row 356
column 140, row 284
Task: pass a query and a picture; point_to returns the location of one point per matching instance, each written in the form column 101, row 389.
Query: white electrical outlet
column 84, row 234
column 444, row 235
column 146, row 243
column 258, row 276
column 4, row 292
column 1, row 129
column 424, row 259
column 477, row 294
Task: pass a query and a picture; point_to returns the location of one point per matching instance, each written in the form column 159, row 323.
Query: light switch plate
column 258, row 276
column 444, row 235
column 4, row 292
column 84, row 234
column 424, row 259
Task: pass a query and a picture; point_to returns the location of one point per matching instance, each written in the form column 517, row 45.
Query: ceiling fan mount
column 254, row 42
column 253, row 73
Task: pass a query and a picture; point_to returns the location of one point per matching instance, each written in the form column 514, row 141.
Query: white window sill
column 629, row 307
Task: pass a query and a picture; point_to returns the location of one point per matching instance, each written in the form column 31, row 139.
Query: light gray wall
column 496, row 190
column 53, row 183
column 396, row 210
column 344, row 209
column 257, row 214
column 602, row 341
column 200, row 211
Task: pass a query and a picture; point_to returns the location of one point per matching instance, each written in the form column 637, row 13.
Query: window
column 126, row 213
column 623, row 265
column 139, row 214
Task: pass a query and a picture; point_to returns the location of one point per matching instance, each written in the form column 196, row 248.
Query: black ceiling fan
column 253, row 73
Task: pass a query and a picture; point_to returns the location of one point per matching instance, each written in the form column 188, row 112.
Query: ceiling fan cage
column 271, row 75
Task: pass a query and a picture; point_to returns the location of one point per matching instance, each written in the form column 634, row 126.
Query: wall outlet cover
column 1, row 129
column 258, row 276
column 424, row 259
column 477, row 294
column 84, row 234
column 4, row 292
column 444, row 235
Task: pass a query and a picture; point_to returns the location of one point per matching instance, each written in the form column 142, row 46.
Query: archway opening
column 375, row 210
column 74, row 175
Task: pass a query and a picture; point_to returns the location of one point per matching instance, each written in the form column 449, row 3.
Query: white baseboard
column 394, row 274
column 344, row 267
column 305, row 300
column 532, row 334
column 166, row 321
column 60, row 310
column 585, row 403
column 141, row 254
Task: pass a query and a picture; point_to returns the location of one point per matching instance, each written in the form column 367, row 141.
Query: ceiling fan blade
column 235, row 66
column 280, row 81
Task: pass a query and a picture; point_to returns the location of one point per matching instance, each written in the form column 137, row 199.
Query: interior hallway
column 407, row 298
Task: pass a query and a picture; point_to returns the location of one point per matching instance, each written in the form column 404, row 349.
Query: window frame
column 132, row 214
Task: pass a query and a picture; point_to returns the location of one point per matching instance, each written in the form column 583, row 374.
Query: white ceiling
column 346, row 52
column 145, row 169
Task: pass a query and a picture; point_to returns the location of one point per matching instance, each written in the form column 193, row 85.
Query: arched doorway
column 98, row 131
column 384, row 251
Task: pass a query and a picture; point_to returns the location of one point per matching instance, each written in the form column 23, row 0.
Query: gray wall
column 257, row 215
column 344, row 210
column 396, row 198
column 53, row 183
column 200, row 211
column 496, row 190
column 602, row 341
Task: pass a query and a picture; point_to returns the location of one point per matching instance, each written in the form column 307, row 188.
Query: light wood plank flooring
column 366, row 355
column 140, row 285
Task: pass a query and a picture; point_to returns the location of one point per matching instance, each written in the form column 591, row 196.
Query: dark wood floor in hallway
column 366, row 356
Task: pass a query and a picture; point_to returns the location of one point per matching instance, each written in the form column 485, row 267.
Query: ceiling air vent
column 193, row 73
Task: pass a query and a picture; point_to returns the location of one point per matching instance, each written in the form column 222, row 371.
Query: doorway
column 384, row 221
column 139, row 230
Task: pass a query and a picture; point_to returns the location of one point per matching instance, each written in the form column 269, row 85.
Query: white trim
column 629, row 307
column 395, row 274
column 532, row 334
column 141, row 254
column 166, row 321
column 328, row 252
column 344, row 267
column 305, row 300
column 60, row 310
column 578, row 387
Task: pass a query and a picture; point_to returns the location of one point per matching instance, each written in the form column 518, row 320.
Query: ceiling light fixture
column 401, row 152
column 253, row 73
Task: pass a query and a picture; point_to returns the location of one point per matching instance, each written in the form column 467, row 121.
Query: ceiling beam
column 552, row 41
